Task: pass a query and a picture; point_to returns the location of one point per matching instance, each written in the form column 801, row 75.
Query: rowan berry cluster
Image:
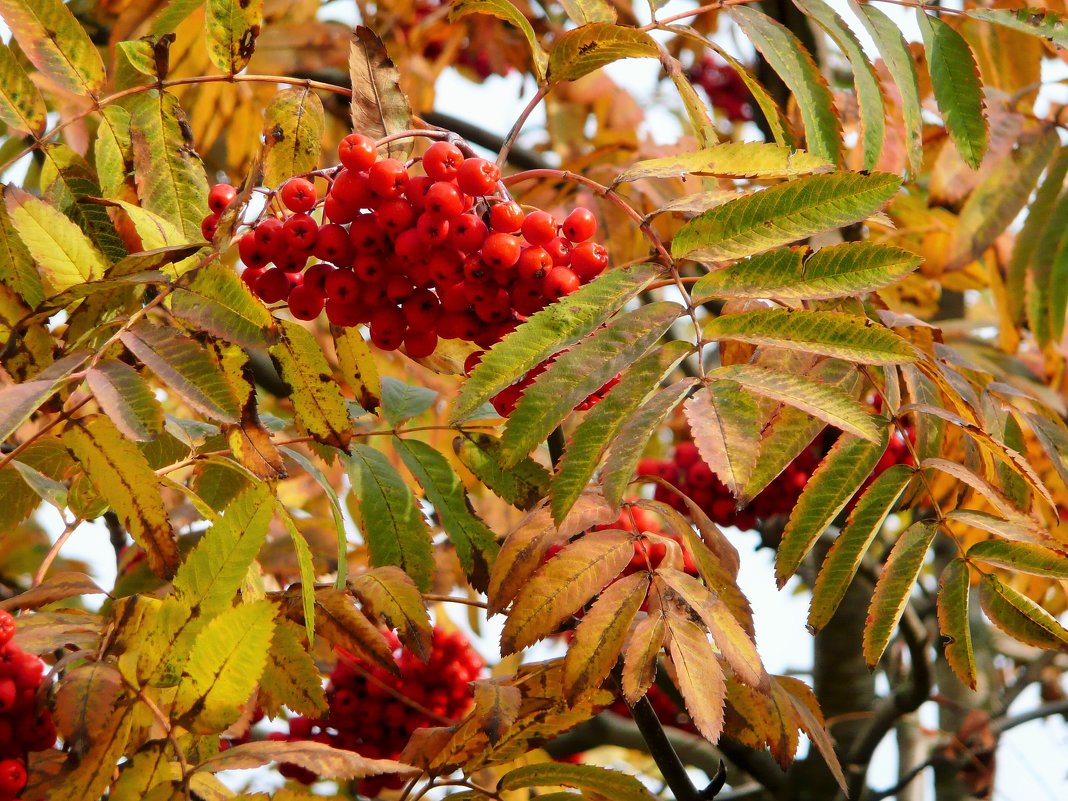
column 442, row 255
column 724, row 86
column 22, row 727
column 373, row 712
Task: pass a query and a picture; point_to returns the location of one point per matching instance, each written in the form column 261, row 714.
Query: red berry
column 467, row 233
column 534, row 264
column 686, row 454
column 445, row 267
column 306, row 302
column 395, row 215
column 366, row 234
column 352, row 190
column 442, row 161
column 251, row 253
column 422, row 310
column 454, row 297
column 9, row 692
column 478, row 177
column 506, row 217
column 399, row 288
column 301, row 232
column 273, row 285
column 388, row 178
column 579, row 225
column 560, row 250
column 344, row 313
column 342, row 285
column 539, row 227
column 444, row 199
column 208, row 226
column 420, row 344
column 7, row 627
column 270, row 237
column 316, row 275
column 501, row 251
column 220, row 196
column 357, row 152
column 387, row 328
column 333, row 245
column 432, row 229
column 12, row 777
column 700, row 474
column 251, row 275
column 368, row 268
column 298, row 195
column 588, row 260
column 560, row 282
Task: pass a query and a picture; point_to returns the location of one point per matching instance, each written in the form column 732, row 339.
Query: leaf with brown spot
column 496, row 707
column 231, row 28
column 84, row 701
column 339, row 620
column 697, row 675
column 390, row 593
column 379, row 107
column 358, row 367
column 251, row 443
column 639, row 659
column 323, row 760
column 599, row 638
column 294, row 124
column 564, row 585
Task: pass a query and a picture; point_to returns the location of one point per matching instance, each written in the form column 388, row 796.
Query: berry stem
column 53, row 552
column 513, row 134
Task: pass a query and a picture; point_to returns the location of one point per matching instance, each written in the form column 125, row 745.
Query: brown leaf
column 55, row 588
column 389, row 592
column 43, row 632
column 251, row 444
column 812, row 723
column 84, row 701
column 697, row 675
column 323, row 760
column 496, row 707
column 339, row 621
column 379, row 107
column 639, row 659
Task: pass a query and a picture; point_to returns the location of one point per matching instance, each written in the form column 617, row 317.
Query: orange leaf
column 697, row 675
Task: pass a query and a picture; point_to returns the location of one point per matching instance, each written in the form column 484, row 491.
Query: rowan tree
column 340, row 377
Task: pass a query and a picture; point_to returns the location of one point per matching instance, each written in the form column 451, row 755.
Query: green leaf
column 894, row 586
column 557, row 325
column 582, row 50
column 1037, row 225
column 18, row 402
column 838, row 477
column 799, row 72
column 401, row 401
column 869, row 95
column 294, row 124
column 126, row 398
column 599, row 427
column 731, row 159
column 21, row 104
column 724, row 422
column 214, row 570
column 379, row 107
column 503, row 9
column 390, row 519
column 953, row 622
column 704, row 130
column 122, row 476
column 113, row 151
column 1039, row 22
column 1019, row 616
column 1022, row 557
column 56, row 44
column 224, row 666
column 317, row 401
column 600, row 781
column 898, row 59
column 476, row 545
column 583, row 12
column 957, row 86
column 357, row 365
column 836, row 334
column 184, row 365
column 70, row 185
column 783, row 214
column 291, row 677
column 581, row 371
column 154, row 231
column 836, row 271
column 304, row 563
column 521, row 485
column 845, row 555
column 169, row 174
column 231, row 28
column 634, row 435
column 217, row 301
column 17, row 268
column 63, row 253
column 824, row 401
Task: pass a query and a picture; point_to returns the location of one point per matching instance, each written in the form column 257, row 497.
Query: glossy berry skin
column 12, row 777
column 301, row 232
column 477, row 177
column 387, row 178
column 444, row 199
column 306, row 302
column 298, row 195
column 357, row 152
column 589, row 260
column 7, row 627
column 442, row 161
column 220, row 196
column 501, row 251
column 507, row 218
column 579, row 225
column 208, row 226
column 534, row 264
column 539, row 227
column 387, row 328
column 273, row 285
column 560, row 282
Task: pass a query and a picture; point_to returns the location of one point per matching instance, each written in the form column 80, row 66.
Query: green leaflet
column 581, row 371
column 305, row 567
column 582, row 50
column 824, row 401
column 838, row 477
column 319, row 406
column 731, row 159
column 126, row 398
column 1039, row 22
column 704, row 130
column 601, row 781
column 212, row 573
column 64, row 255
column 835, row 271
column 504, row 9
column 476, row 545
column 836, row 334
column 390, row 519
column 522, row 485
column 898, row 59
column 21, row 104
column 844, row 557
column 583, row 12
column 557, row 325
column 799, row 72
column 113, row 150
column 291, row 677
column 17, row 268
column 869, row 95
column 1022, row 557
column 232, row 27
column 783, row 214
column 224, row 667
column 894, row 586
column 312, row 469
column 169, row 174
column 357, row 366
column 598, row 429
column 955, row 78
column 1019, row 616
column 55, row 43
column 401, row 401
column 294, row 124
column 217, row 301
column 69, row 184
column 185, row 366
column 953, row 622
column 723, row 419
column 628, row 445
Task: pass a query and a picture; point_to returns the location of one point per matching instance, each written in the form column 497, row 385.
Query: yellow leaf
column 639, row 660
column 697, row 675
